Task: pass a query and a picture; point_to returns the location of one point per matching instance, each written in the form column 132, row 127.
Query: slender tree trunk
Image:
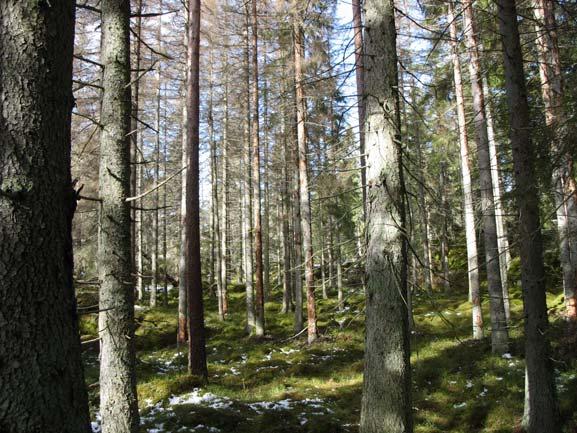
column 192, row 269
column 427, row 256
column 499, row 331
column 386, row 401
column 257, row 227
column 565, row 192
column 469, row 209
column 305, row 205
column 42, row 384
column 136, row 214
column 182, row 333
column 224, row 203
column 339, row 271
column 156, row 196
column 248, row 192
column 503, row 243
column 541, row 413
column 444, row 230
column 286, row 242
column 266, row 199
column 322, row 247
column 360, row 71
column 118, row 399
column 137, row 169
column 216, row 232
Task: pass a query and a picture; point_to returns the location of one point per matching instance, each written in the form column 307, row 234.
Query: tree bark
column 192, row 268
column 502, row 241
column 118, row 399
column 360, row 80
column 540, row 413
column 304, row 198
column 468, row 206
column 42, row 383
column 499, row 331
column 386, row 401
column 565, row 192
column 256, row 197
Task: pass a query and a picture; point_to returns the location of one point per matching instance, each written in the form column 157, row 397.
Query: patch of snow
column 507, row 356
column 460, row 405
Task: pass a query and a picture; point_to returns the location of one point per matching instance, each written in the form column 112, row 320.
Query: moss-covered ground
column 279, row 384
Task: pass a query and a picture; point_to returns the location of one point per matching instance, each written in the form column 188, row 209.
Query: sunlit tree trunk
column 386, row 402
column 499, row 331
column 468, row 206
column 118, row 399
column 304, row 198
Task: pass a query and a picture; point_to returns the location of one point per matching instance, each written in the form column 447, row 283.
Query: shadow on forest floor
column 278, row 384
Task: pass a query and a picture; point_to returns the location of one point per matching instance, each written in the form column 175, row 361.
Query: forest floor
column 278, row 384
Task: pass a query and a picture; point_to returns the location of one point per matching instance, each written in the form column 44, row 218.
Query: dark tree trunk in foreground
column 540, row 400
column 118, row 400
column 41, row 384
column 192, row 271
column 386, row 402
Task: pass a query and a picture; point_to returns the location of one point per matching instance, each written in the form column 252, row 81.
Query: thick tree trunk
column 41, row 385
column 118, row 399
column 255, row 139
column 541, row 413
column 563, row 181
column 469, row 209
column 499, row 331
column 192, row 269
column 305, row 205
column 386, row 402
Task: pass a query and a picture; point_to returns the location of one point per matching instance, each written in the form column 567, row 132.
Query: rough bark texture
column 224, row 210
column 118, row 400
column 305, row 204
column 192, row 270
column 256, row 212
column 565, row 193
column 41, row 380
column 469, row 209
column 386, row 401
column 540, row 400
column 499, row 331
column 182, row 332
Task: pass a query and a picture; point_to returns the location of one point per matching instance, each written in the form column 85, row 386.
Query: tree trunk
column 499, row 331
column 444, row 230
column 156, row 177
column 541, row 413
column 247, row 194
column 42, row 385
column 256, row 197
column 360, row 71
column 118, row 399
column 135, row 159
column 386, row 401
column 503, row 243
column 192, row 269
column 469, row 209
column 182, row 332
column 224, row 203
column 286, row 209
column 563, row 182
column 304, row 198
